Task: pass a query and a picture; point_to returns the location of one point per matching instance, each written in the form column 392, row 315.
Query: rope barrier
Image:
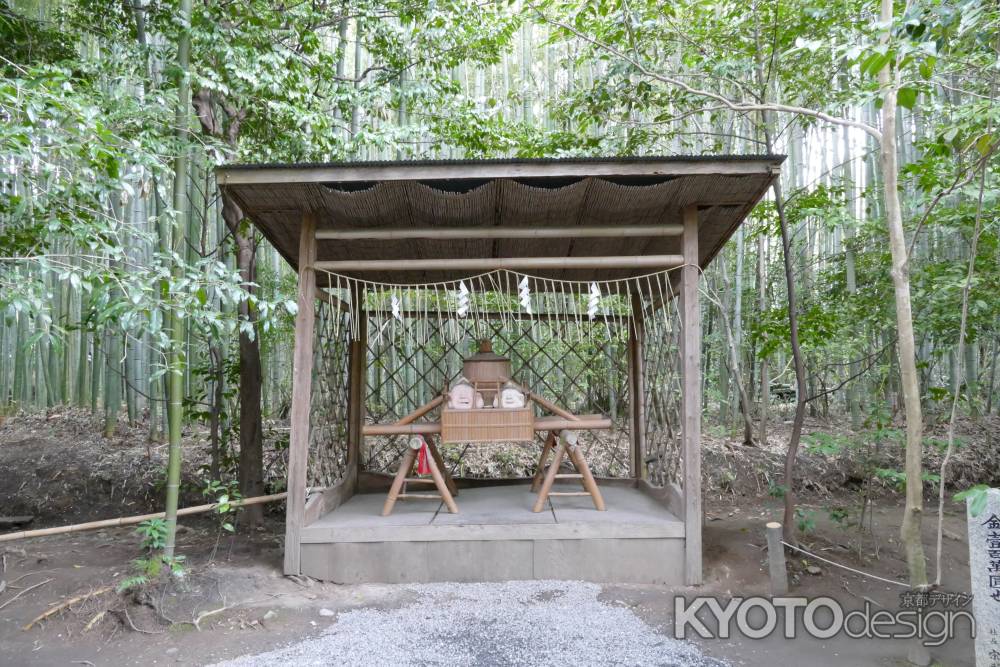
column 583, row 284
column 845, row 567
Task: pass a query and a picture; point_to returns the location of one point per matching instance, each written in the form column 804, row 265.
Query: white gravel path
column 515, row 623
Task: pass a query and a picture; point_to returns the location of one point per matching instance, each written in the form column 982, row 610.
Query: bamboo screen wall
column 328, row 412
column 580, row 364
column 662, row 402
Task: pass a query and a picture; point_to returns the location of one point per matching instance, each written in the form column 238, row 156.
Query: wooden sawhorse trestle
column 566, row 447
column 440, row 478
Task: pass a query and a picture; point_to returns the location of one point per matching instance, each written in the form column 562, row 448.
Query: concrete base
column 496, row 537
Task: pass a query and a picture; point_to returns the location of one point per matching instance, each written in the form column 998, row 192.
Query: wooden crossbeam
column 541, row 424
column 497, row 263
column 489, row 233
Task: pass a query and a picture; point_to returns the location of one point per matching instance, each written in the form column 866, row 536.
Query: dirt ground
column 233, row 599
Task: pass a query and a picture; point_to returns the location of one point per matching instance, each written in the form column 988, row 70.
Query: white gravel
column 514, row 623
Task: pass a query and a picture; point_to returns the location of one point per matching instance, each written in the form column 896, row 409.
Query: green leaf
column 926, row 68
column 976, row 496
column 907, row 97
column 984, row 143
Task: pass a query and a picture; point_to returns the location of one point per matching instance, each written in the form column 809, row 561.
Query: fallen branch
column 205, row 614
column 132, row 520
column 32, row 587
column 26, row 574
column 72, row 601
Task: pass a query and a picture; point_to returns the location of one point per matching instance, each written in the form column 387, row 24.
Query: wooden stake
column 776, row 560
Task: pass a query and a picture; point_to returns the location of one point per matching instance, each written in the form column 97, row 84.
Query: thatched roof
column 570, row 193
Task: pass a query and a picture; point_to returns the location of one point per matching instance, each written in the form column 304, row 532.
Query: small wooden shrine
column 472, row 411
column 582, row 275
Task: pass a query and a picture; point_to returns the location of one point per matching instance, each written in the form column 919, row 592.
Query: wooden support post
column 357, row 376
column 550, row 478
column 302, row 366
column 637, row 391
column 550, row 442
column 405, row 466
column 776, row 560
column 586, row 477
column 439, row 462
column 440, row 478
column 690, row 349
column 440, row 483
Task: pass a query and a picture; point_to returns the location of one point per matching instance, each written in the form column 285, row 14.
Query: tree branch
column 725, row 101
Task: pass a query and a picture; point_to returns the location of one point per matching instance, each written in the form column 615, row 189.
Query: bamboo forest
column 732, row 264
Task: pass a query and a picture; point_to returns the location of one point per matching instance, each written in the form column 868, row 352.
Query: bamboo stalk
column 132, row 520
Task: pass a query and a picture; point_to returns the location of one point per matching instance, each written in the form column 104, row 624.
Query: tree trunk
column 251, row 464
column 906, row 346
column 788, row 522
column 765, row 379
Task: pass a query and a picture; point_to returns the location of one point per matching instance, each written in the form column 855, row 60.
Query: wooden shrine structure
column 571, row 268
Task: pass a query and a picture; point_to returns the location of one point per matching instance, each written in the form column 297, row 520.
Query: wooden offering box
column 487, row 425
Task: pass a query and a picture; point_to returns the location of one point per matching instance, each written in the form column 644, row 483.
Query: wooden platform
column 496, row 537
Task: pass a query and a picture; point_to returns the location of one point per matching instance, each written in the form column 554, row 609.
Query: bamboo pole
column 510, row 263
column 433, row 428
column 453, row 233
column 132, row 520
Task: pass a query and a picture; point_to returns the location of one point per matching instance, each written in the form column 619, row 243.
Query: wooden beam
column 512, row 263
column 356, row 378
column 490, row 233
column 421, row 411
column 323, row 501
column 691, row 398
column 541, row 424
column 637, row 391
column 429, row 171
column 421, row 428
column 302, row 363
